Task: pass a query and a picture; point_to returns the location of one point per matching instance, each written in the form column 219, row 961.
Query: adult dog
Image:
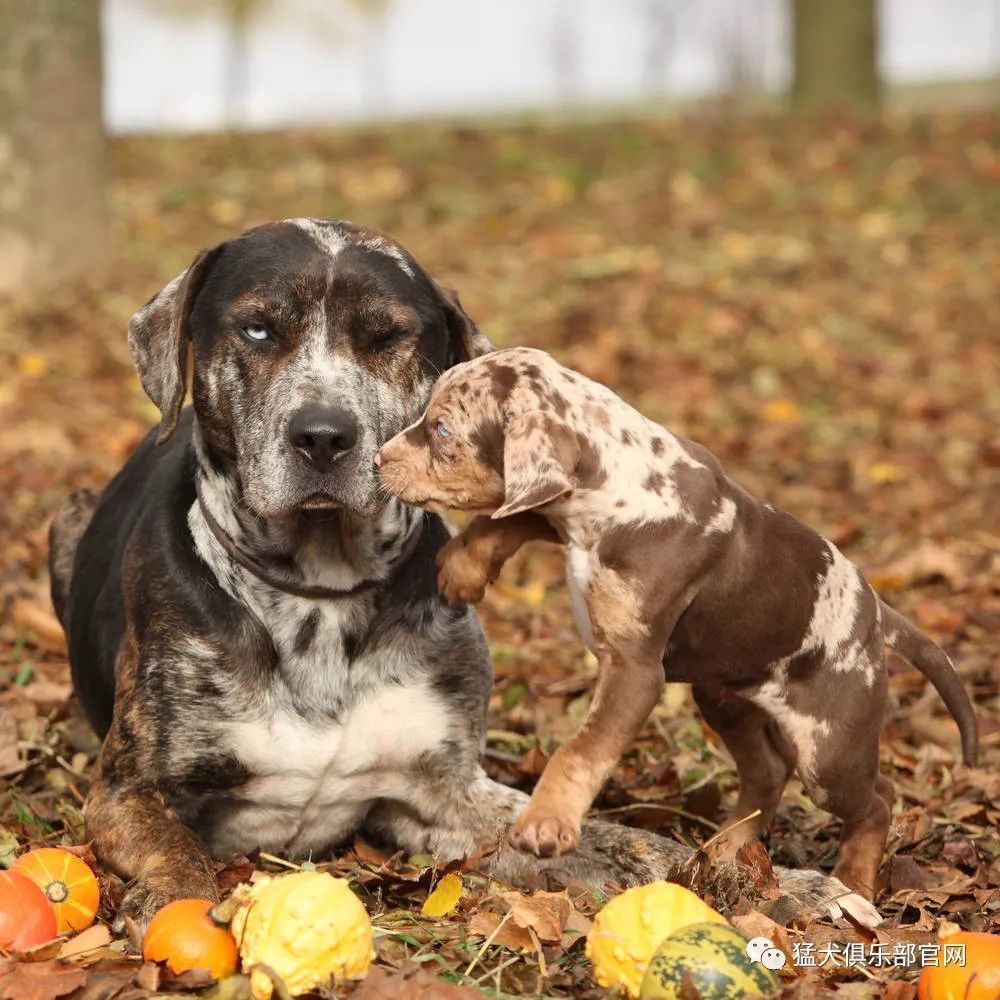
column 254, row 626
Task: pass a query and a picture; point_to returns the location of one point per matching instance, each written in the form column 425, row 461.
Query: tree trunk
column 53, row 217
column 836, row 54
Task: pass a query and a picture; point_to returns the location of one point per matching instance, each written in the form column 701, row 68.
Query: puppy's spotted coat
column 675, row 573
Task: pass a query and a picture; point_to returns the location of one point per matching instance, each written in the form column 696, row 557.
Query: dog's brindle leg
column 137, row 836
column 133, row 829
column 473, row 559
column 764, row 761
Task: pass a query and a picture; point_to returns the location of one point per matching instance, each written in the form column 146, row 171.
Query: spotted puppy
column 675, row 573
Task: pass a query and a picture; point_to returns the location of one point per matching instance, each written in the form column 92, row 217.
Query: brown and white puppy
column 675, row 573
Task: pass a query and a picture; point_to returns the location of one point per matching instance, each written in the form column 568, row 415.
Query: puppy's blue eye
column 257, row 333
column 442, row 431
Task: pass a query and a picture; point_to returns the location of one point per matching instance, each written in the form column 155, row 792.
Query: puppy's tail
column 932, row 661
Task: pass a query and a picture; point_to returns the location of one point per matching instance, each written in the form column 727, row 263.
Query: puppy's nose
column 322, row 434
column 378, row 460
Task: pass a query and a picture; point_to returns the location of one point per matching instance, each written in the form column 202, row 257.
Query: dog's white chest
column 578, row 566
column 312, row 779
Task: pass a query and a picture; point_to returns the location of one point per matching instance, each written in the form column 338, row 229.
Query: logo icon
column 761, row 949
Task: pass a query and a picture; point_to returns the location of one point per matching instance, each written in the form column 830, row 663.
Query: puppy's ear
column 466, row 341
column 539, row 459
column 158, row 338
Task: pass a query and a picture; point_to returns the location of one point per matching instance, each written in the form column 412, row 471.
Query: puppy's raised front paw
column 543, row 834
column 462, row 578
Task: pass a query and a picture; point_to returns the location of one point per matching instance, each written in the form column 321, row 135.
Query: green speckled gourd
column 714, row 957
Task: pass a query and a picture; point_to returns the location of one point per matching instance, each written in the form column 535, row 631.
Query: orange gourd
column 978, row 979
column 184, row 935
column 68, row 884
column 26, row 919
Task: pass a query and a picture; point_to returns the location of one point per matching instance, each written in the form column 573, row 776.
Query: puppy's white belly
column 578, row 579
column 313, row 782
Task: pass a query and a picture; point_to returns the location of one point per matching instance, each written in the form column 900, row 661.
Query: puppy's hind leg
column 764, row 761
column 838, row 761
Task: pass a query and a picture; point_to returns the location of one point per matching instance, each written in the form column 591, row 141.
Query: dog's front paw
column 543, row 834
column 146, row 895
column 138, row 906
column 462, row 577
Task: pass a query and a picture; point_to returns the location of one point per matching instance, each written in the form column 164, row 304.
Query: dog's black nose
column 322, row 434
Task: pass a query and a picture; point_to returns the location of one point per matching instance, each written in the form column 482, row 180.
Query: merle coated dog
column 254, row 625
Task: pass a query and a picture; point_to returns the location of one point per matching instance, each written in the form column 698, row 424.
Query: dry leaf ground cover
column 815, row 301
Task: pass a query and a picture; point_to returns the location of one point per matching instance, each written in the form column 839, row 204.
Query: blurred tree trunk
column 53, row 218
column 836, row 54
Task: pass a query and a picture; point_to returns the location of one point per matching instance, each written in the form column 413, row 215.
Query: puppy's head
column 493, row 439
column 313, row 342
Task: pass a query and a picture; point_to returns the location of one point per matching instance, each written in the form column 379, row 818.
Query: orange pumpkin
column 978, row 979
column 184, row 935
column 26, row 919
column 68, row 884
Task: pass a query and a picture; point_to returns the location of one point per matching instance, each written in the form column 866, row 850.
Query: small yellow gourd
column 631, row 926
column 306, row 927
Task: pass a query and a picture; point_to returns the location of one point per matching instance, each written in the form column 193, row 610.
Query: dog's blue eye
column 442, row 430
column 257, row 333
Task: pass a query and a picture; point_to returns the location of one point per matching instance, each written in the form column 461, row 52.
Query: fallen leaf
column 10, row 759
column 545, row 913
column 781, row 411
column 33, row 364
column 504, row 933
column 924, row 563
column 239, row 870
column 93, row 938
column 28, row 614
column 757, row 924
column 905, row 874
column 884, row 472
column 47, row 694
column 534, row 594
column 534, row 761
column 753, row 860
column 414, row 984
column 444, row 898
column 115, row 978
column 38, row 980
column 368, row 854
column 8, row 848
column 148, row 977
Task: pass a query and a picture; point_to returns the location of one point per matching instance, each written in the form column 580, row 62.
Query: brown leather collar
column 312, row 592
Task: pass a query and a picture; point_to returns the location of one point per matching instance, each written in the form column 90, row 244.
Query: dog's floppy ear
column 466, row 341
column 158, row 338
column 539, row 459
